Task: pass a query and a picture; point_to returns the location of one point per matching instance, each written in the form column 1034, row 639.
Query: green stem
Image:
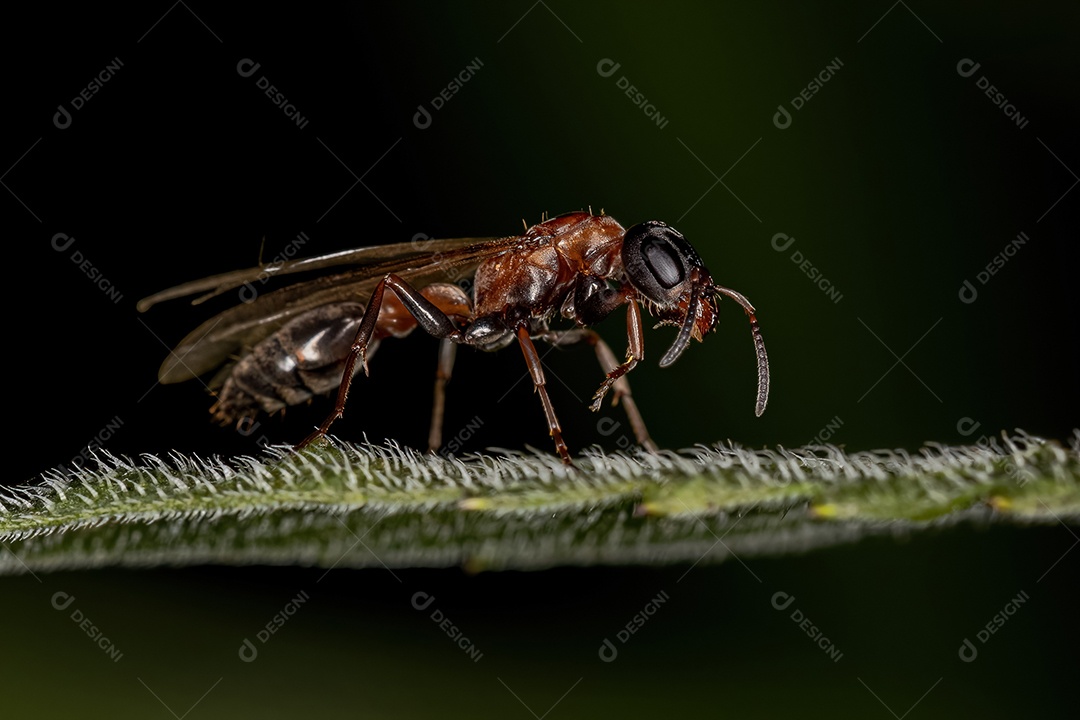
column 341, row 505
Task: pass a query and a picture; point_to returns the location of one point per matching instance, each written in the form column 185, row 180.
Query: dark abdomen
column 305, row 357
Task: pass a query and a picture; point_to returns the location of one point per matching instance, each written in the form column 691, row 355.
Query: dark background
column 899, row 180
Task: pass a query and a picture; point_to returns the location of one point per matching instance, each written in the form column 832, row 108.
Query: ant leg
column 426, row 313
column 447, row 351
column 635, row 353
column 532, row 359
column 621, row 385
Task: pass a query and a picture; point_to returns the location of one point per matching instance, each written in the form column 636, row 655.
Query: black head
column 674, row 284
column 659, row 262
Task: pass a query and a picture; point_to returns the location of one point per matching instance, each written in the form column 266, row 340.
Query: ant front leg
column 635, row 353
column 429, row 316
column 621, row 385
column 594, row 300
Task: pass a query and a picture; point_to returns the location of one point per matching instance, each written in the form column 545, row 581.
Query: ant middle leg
column 536, row 370
column 447, row 353
column 620, row 385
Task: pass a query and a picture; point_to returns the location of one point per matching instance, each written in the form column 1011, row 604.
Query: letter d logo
column 607, row 67
column 422, row 118
column 62, row 118
column 782, row 118
column 968, row 293
column 967, row 67
column 61, row 600
column 247, row 67
column 782, row 601
column 248, row 652
column 422, row 601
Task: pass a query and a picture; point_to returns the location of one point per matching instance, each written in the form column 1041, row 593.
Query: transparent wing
column 234, row 331
column 218, row 284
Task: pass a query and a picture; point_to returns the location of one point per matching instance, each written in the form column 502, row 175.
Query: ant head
column 675, row 286
column 659, row 262
column 671, row 280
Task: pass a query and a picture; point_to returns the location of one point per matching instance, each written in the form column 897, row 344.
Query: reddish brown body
column 541, row 270
column 581, row 266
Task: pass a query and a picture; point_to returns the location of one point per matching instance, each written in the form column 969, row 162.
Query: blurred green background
column 899, row 179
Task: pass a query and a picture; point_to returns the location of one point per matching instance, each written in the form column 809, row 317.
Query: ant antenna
column 759, row 348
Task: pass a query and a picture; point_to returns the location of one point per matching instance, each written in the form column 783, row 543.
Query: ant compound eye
column 657, row 259
column 663, row 261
